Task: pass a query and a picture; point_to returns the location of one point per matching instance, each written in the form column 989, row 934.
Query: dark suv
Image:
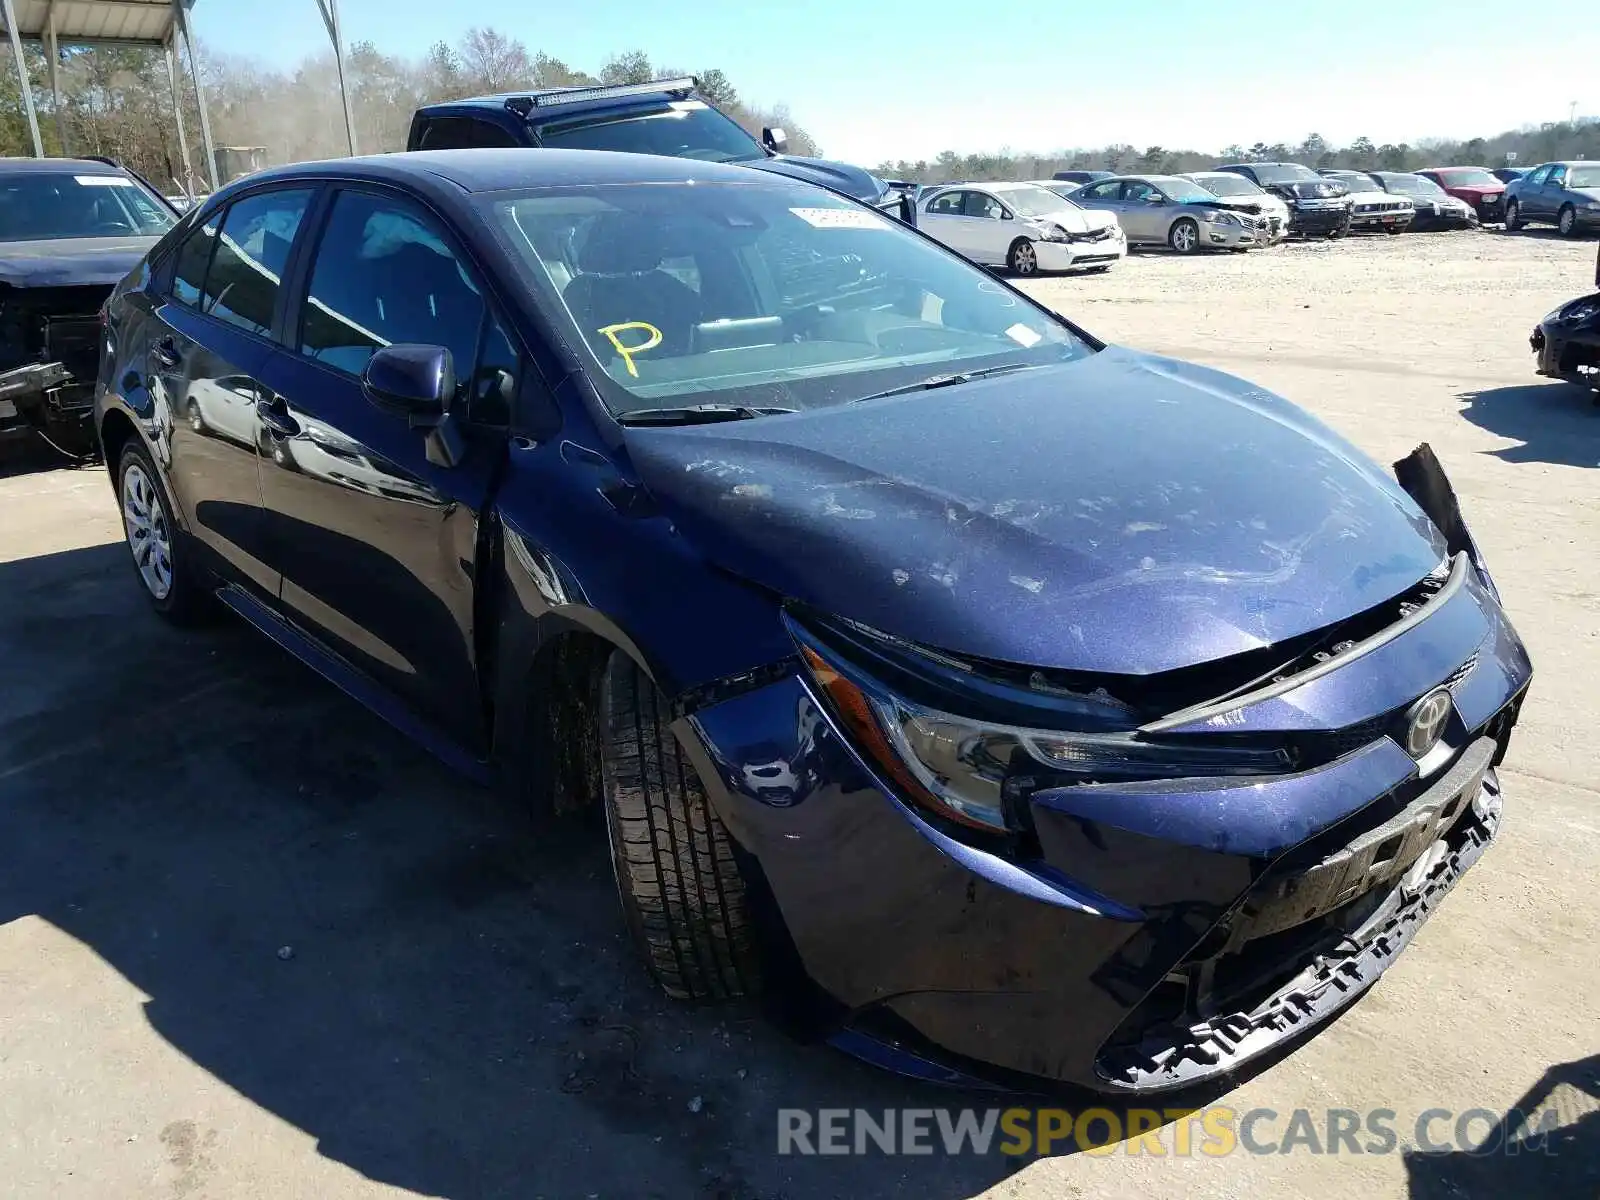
column 665, row 116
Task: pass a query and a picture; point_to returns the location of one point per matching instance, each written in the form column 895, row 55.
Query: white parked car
column 1237, row 192
column 1021, row 226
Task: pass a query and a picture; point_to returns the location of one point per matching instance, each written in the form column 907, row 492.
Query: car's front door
column 990, row 228
column 1143, row 211
column 378, row 546
column 1107, row 197
column 1531, row 194
column 943, row 218
column 210, row 338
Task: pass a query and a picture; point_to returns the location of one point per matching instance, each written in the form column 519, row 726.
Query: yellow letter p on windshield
column 652, row 340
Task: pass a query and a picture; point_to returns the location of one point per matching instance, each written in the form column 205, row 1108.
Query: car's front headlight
column 1222, row 217
column 980, row 773
column 1052, row 233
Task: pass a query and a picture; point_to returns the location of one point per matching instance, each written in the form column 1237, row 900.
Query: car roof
column 517, row 167
column 78, row 166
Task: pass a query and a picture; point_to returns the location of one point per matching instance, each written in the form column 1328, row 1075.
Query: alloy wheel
column 148, row 535
column 1185, row 237
column 1024, row 261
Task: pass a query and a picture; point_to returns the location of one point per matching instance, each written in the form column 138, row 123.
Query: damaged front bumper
column 28, row 393
column 1566, row 344
column 1143, row 936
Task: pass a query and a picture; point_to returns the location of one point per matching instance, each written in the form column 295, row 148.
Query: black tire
column 187, row 600
column 1567, row 221
column 682, row 894
column 1513, row 216
column 1392, row 230
column 197, row 420
column 1184, row 236
column 1022, row 258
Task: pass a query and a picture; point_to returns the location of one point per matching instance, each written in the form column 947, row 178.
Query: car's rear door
column 943, row 219
column 1531, row 195
column 378, row 546
column 211, row 334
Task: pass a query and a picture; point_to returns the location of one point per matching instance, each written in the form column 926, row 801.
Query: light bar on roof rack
column 680, row 87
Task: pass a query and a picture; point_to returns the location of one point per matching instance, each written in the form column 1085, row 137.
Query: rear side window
column 463, row 133
column 241, row 285
column 194, row 256
column 385, row 275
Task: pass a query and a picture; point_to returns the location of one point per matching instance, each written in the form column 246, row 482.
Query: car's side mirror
column 418, row 383
column 775, row 139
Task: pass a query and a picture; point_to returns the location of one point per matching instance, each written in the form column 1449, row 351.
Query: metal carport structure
column 141, row 23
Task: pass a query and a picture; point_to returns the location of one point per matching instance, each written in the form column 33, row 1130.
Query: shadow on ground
column 1548, row 1144
column 1553, row 422
column 460, row 1015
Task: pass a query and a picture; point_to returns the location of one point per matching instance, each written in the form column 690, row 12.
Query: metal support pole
column 330, row 18
column 55, row 79
column 174, row 80
column 8, row 10
column 180, row 9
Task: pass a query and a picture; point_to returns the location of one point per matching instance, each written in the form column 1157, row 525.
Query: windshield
column 686, row 129
column 1411, row 185
column 46, row 206
column 1468, row 177
column 768, row 294
column 1283, row 173
column 1184, row 191
column 1225, row 184
column 1583, row 177
column 1032, row 201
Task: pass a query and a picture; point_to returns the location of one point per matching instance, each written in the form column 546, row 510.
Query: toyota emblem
column 1426, row 722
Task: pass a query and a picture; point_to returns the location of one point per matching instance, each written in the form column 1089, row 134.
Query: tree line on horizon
column 117, row 102
column 1556, row 140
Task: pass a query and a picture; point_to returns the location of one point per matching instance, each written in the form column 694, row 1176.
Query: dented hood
column 1124, row 513
column 67, row 262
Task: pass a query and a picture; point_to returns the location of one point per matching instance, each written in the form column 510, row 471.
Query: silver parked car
column 1155, row 209
column 1563, row 194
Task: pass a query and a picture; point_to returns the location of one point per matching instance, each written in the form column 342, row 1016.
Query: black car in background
column 69, row 230
column 1080, row 177
column 1317, row 206
column 664, row 116
column 1566, row 344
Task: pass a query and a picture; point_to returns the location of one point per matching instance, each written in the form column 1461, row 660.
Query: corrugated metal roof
column 97, row 20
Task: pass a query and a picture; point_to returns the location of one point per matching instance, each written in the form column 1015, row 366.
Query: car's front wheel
column 682, row 894
column 1513, row 216
column 1184, row 236
column 1567, row 222
column 1022, row 258
column 152, row 536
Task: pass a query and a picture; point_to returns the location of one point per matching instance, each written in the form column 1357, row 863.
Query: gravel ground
column 254, row 945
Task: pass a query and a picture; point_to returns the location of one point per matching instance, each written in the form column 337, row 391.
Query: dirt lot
column 457, row 1014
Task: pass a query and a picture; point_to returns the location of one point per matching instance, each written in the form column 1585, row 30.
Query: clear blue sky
column 873, row 80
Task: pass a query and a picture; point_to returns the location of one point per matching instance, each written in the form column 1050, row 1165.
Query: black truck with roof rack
column 664, row 116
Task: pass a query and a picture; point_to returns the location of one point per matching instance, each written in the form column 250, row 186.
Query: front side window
column 194, row 256
column 385, row 275
column 683, row 129
column 54, row 206
column 804, row 299
column 984, row 206
column 241, row 285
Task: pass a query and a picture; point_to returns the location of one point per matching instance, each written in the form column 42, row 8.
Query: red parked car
column 1476, row 186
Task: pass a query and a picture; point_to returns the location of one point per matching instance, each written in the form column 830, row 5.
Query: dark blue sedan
column 1010, row 706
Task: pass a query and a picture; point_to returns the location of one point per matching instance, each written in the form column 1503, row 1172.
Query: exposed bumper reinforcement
column 1327, row 985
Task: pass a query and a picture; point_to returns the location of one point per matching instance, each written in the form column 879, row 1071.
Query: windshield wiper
column 698, row 414
column 939, row 381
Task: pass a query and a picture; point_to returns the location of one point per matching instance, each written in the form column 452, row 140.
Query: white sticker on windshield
column 839, row 218
column 1024, row 336
column 103, row 181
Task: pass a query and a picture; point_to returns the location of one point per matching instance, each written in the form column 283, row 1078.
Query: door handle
column 166, row 352
column 274, row 414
